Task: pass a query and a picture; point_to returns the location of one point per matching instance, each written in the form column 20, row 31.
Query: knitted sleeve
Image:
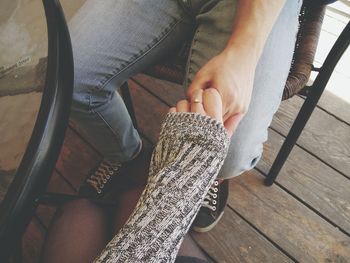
column 186, row 160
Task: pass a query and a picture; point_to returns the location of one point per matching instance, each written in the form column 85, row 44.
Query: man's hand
column 231, row 73
column 208, row 103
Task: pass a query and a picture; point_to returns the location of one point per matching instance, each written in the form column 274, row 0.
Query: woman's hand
column 208, row 103
column 231, row 73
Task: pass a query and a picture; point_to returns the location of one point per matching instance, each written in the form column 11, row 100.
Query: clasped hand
column 208, row 102
column 231, row 74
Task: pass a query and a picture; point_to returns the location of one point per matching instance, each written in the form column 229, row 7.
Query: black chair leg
column 292, row 137
column 125, row 93
column 17, row 256
column 310, row 103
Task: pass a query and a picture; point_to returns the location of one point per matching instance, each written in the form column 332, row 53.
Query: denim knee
column 241, row 157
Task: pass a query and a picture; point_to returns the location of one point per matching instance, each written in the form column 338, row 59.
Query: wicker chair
column 310, row 21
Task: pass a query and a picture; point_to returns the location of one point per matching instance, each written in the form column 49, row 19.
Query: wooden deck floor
column 304, row 217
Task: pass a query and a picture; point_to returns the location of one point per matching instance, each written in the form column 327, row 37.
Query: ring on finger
column 196, row 100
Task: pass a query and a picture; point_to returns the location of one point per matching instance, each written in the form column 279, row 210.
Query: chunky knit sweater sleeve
column 186, row 160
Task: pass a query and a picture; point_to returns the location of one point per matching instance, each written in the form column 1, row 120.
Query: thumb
column 232, row 122
column 212, row 103
column 197, row 83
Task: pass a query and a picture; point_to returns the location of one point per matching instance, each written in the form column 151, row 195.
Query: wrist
column 247, row 57
column 253, row 22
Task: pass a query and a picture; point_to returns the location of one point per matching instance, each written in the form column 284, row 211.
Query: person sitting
column 191, row 149
column 242, row 48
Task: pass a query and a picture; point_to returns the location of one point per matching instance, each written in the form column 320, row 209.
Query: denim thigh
column 214, row 27
column 113, row 40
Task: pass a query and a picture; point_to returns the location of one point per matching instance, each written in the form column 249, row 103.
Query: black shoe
column 108, row 179
column 212, row 208
column 98, row 183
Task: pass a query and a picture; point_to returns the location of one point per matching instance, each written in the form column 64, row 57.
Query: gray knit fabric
column 188, row 156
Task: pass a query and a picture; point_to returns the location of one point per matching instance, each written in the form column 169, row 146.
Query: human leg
column 189, row 249
column 113, row 40
column 78, row 233
column 214, row 20
column 270, row 76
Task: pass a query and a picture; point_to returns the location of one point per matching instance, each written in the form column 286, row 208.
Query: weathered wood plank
column 32, row 242
column 233, row 240
column 335, row 105
column 149, row 111
column 323, row 135
column 295, row 228
column 169, row 92
column 74, row 127
column 76, row 159
column 56, row 185
column 318, row 185
column 6, row 178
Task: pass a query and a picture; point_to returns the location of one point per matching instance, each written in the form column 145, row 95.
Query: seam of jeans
column 115, row 133
column 94, row 112
column 189, row 60
column 103, row 83
column 190, row 56
column 154, row 43
column 187, row 7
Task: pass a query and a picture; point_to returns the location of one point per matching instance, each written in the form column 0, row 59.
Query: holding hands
column 231, row 73
column 208, row 103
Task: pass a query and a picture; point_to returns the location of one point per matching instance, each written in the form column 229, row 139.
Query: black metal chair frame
column 38, row 162
column 313, row 94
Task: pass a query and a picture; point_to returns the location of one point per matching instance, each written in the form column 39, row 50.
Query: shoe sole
column 208, row 228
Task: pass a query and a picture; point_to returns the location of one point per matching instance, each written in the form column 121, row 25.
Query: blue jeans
column 116, row 39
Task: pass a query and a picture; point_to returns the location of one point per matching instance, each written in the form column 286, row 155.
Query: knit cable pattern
column 185, row 162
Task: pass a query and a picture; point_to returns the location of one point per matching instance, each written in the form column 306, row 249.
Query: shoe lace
column 102, row 174
column 211, row 196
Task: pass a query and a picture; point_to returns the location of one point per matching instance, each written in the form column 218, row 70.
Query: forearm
column 253, row 22
column 186, row 160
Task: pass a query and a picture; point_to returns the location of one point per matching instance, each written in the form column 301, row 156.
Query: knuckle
column 191, row 89
column 233, row 94
column 180, row 103
column 242, row 108
column 245, row 109
column 211, row 91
